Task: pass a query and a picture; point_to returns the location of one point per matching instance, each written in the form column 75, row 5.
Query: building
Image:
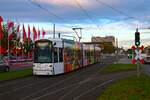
column 110, row 39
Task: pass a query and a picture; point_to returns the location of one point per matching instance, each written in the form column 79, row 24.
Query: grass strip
column 119, row 67
column 131, row 88
column 15, row 74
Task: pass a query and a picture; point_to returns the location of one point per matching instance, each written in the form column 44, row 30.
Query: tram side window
column 60, row 55
column 55, row 55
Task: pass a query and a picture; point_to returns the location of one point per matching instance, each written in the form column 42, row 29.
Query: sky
column 119, row 18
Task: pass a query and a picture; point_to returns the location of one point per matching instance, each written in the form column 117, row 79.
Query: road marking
column 14, row 81
column 50, row 86
column 82, row 82
column 45, row 88
column 79, row 73
column 55, row 84
column 98, row 86
column 23, row 87
column 57, row 90
column 60, row 89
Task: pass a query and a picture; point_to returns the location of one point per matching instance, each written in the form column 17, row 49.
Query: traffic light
column 137, row 38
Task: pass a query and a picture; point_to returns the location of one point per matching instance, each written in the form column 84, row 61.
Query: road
column 84, row 84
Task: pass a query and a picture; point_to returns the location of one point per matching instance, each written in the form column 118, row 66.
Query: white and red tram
column 57, row 56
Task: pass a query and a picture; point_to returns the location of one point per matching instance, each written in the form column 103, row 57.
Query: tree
column 13, row 43
column 108, row 47
column 27, row 46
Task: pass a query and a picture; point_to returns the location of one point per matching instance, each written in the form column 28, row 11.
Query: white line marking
column 14, row 81
column 45, row 88
column 82, row 82
column 23, row 87
column 53, row 85
column 57, row 90
column 104, row 83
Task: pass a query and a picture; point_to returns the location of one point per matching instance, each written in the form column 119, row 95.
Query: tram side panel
column 78, row 55
column 91, row 54
column 88, row 54
column 72, row 56
column 97, row 53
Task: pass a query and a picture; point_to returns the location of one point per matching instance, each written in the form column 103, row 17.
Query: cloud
column 66, row 2
column 70, row 11
column 129, row 43
column 67, row 14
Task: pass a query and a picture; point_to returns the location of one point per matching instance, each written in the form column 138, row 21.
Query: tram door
column 58, row 60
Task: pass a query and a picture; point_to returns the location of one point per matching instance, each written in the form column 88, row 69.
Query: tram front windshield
column 42, row 52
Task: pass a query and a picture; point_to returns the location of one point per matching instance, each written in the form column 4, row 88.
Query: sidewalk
column 146, row 69
column 20, row 66
column 124, row 60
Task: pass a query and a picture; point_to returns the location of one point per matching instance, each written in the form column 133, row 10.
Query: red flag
column 24, row 33
column 1, row 19
column 10, row 25
column 38, row 33
column 34, row 34
column 18, row 27
column 43, row 33
column 3, row 50
column 1, row 33
column 18, row 32
column 29, row 31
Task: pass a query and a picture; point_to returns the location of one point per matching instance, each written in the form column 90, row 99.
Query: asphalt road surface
column 84, row 84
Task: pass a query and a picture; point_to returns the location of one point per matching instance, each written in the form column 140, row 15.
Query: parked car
column 3, row 66
column 147, row 56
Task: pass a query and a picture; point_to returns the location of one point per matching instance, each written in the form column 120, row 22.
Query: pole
column 54, row 31
column 28, row 49
column 0, row 47
column 117, row 50
column 138, row 60
column 22, row 47
column 8, row 49
column 16, row 50
column 138, row 65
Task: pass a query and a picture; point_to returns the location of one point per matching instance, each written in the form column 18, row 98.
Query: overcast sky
column 98, row 17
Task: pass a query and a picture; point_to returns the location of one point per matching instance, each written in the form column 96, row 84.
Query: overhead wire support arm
column 80, row 37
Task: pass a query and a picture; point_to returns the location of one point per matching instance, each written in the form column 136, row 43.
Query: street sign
column 138, row 55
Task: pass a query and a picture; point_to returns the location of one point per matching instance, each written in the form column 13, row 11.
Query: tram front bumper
column 43, row 69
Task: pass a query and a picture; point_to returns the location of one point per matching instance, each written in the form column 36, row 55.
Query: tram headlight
column 49, row 65
column 34, row 65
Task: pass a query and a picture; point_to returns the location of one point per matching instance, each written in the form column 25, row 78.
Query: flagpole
column 8, row 49
column 22, row 46
column 1, row 19
column 28, row 40
column 16, row 46
column 21, row 35
column 28, row 48
column 0, row 45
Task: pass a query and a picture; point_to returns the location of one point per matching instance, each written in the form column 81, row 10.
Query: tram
column 57, row 56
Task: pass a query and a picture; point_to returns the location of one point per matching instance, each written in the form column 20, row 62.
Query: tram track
column 79, row 85
column 34, row 88
column 28, row 86
column 61, row 82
